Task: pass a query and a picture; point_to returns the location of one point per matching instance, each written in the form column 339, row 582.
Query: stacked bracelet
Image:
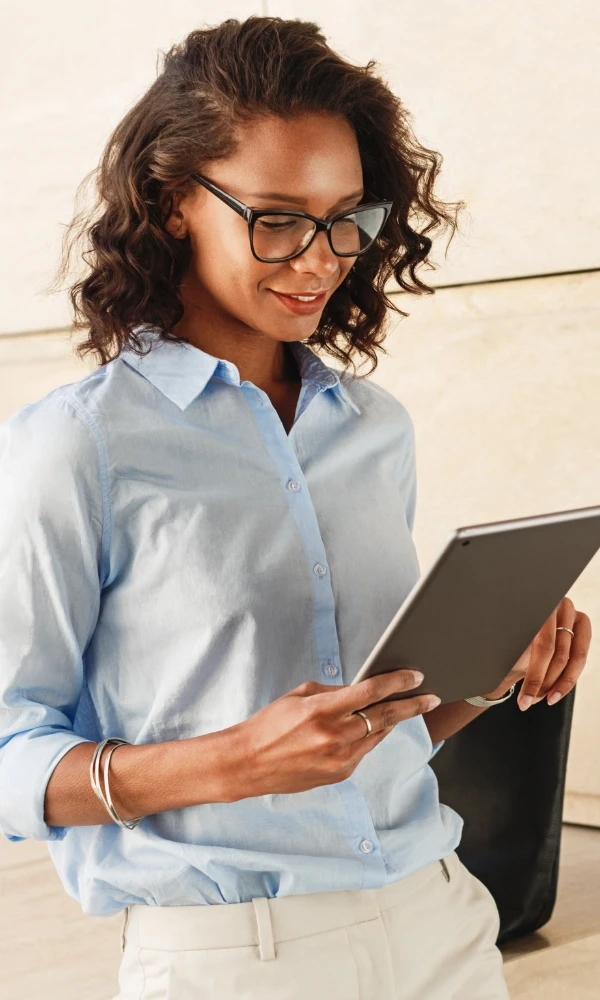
column 95, row 779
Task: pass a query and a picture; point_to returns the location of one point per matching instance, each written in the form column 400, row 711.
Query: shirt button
column 331, row 669
column 319, row 569
column 366, row 846
column 293, row 485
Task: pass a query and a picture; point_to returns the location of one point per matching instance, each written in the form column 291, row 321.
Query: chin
column 295, row 328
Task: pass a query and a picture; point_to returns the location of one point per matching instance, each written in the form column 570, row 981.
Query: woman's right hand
column 309, row 736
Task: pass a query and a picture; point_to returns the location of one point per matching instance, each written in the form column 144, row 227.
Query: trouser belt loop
column 266, row 944
column 445, row 869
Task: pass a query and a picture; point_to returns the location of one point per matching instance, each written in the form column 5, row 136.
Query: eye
column 275, row 226
column 276, row 222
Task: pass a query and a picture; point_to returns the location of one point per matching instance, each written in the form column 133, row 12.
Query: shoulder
column 54, row 438
column 53, row 482
column 376, row 402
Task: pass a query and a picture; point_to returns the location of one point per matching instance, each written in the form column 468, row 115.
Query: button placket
column 302, row 510
column 327, row 653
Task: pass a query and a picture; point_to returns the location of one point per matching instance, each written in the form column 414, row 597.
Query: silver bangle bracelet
column 95, row 780
column 481, row 702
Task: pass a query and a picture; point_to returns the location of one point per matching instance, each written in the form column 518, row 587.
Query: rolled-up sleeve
column 53, row 524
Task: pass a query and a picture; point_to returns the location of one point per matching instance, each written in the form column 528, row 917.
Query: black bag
column 504, row 774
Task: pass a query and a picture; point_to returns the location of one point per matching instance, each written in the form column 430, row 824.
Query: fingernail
column 418, row 676
column 525, row 702
column 433, row 703
column 554, row 698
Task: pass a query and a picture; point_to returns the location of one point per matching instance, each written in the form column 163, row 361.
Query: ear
column 175, row 223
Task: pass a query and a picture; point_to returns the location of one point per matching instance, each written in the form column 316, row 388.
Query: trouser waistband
column 265, row 922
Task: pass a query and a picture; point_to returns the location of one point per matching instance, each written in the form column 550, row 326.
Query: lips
column 297, row 306
column 321, row 291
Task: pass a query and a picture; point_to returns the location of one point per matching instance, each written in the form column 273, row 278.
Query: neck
column 259, row 359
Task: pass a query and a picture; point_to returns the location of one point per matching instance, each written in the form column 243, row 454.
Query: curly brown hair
column 214, row 79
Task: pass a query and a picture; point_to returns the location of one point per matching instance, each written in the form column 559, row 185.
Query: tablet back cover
column 490, row 593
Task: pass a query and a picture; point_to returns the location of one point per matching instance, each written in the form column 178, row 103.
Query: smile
column 301, row 304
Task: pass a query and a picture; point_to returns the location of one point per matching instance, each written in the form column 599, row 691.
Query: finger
column 348, row 698
column 390, row 713
column 580, row 647
column 369, row 742
column 542, row 651
column 562, row 647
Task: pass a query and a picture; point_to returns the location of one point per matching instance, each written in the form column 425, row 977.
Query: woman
column 204, row 538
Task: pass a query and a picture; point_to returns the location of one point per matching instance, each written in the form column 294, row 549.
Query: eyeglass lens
column 276, row 236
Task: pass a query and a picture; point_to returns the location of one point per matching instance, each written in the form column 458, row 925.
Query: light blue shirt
column 170, row 562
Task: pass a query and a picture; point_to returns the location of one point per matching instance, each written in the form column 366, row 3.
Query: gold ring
column 367, row 720
column 564, row 628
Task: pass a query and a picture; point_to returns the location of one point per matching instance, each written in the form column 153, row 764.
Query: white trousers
column 429, row 936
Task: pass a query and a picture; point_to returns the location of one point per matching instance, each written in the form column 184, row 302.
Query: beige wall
column 70, row 71
column 506, row 90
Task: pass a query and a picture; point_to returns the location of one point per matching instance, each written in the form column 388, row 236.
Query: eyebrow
column 277, row 196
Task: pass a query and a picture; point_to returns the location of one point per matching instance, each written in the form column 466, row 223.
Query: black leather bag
column 504, row 774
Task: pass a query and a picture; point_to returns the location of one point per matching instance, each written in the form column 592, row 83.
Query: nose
column 319, row 258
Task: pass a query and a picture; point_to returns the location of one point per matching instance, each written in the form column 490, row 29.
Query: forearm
column 445, row 720
column 144, row 779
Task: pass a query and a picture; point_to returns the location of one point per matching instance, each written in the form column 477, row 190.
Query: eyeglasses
column 277, row 235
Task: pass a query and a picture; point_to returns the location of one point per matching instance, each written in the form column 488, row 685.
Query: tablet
column 467, row 621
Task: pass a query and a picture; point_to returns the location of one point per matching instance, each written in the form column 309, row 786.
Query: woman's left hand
column 554, row 660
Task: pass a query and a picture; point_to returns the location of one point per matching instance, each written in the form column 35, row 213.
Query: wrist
column 497, row 694
column 219, row 767
column 500, row 691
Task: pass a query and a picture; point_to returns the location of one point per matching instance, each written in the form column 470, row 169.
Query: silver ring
column 367, row 720
column 565, row 629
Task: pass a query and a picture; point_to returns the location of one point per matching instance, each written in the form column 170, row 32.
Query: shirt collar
column 181, row 371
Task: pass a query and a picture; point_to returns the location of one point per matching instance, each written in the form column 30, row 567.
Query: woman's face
column 309, row 163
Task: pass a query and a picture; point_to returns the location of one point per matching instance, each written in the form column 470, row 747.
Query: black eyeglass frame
column 252, row 214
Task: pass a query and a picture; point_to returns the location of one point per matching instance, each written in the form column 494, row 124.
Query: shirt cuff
column 27, row 761
column 435, row 747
